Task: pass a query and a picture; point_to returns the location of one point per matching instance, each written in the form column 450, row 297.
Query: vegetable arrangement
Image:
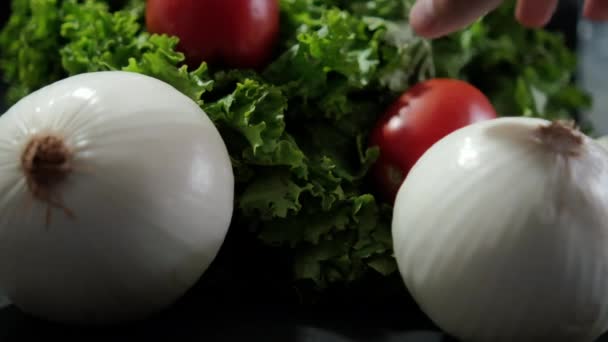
column 323, row 106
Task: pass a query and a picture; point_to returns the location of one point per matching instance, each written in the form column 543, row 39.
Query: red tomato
column 422, row 116
column 234, row 33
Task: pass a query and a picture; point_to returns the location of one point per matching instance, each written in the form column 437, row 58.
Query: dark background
column 239, row 300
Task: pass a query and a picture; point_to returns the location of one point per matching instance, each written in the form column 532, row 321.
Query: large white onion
column 117, row 193
column 501, row 232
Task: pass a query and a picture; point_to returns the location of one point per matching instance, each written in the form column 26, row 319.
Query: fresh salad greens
column 297, row 131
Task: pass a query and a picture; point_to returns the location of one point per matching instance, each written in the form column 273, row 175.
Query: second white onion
column 501, row 232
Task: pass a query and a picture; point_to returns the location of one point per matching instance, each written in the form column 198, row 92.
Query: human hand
column 435, row 18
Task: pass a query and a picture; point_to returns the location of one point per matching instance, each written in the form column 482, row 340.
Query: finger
column 596, row 9
column 535, row 13
column 435, row 18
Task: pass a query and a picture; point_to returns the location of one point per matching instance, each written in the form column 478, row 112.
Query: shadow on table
column 267, row 327
column 248, row 295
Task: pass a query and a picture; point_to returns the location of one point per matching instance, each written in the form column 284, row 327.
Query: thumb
column 434, row 18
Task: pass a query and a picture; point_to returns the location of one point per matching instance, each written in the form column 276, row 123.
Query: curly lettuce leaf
column 338, row 244
column 100, row 40
column 29, row 45
column 335, row 55
column 256, row 111
column 97, row 39
column 159, row 59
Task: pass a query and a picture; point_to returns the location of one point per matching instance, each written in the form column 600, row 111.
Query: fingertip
column 596, row 10
column 535, row 13
column 531, row 22
column 437, row 18
column 422, row 19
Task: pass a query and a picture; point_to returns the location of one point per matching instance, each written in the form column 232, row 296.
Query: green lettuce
column 524, row 72
column 28, row 47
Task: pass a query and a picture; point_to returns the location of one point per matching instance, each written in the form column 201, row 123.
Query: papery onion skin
column 603, row 140
column 151, row 193
column 498, row 237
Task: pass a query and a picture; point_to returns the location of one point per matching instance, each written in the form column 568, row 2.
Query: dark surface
column 241, row 299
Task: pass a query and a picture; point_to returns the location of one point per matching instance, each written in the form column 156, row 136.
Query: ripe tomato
column 423, row 115
column 234, row 33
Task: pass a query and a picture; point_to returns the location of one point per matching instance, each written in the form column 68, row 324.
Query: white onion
column 501, row 232
column 117, row 194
